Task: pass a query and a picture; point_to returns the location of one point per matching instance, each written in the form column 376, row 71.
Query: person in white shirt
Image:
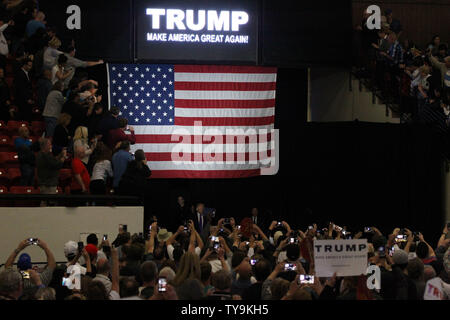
column 195, row 243
column 60, row 72
column 52, row 53
column 4, row 49
column 102, row 170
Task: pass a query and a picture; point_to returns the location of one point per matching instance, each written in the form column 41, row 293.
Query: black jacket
column 134, row 180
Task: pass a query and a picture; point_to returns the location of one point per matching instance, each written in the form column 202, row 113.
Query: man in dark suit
column 200, row 218
column 23, row 93
column 258, row 219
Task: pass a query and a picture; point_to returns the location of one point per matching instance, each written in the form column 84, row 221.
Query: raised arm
column 22, row 245
column 114, row 270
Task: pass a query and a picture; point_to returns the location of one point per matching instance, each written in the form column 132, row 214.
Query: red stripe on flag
column 261, row 121
column 229, row 104
column 217, row 174
column 168, row 156
column 206, row 139
column 224, row 69
column 225, row 86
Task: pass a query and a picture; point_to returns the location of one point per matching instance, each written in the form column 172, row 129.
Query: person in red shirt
column 118, row 135
column 80, row 174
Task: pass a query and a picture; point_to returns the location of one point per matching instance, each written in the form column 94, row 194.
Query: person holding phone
column 30, row 285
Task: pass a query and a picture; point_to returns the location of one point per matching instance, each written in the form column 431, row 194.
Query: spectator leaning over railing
column 33, row 280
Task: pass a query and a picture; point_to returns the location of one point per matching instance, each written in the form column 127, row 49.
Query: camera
column 25, row 274
column 105, row 237
column 290, row 267
column 216, row 245
column 305, row 278
column 214, row 238
column 33, row 241
column 368, row 229
column 80, row 246
column 162, row 285
column 293, row 240
column 253, row 262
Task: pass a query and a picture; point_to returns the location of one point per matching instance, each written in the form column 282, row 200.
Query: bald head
column 103, row 266
column 447, row 61
column 428, row 273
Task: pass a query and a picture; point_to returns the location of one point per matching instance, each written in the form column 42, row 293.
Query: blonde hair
column 81, row 133
column 188, row 269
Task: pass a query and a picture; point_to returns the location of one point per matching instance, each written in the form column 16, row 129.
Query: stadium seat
column 6, row 144
column 65, row 177
column 24, row 190
column 38, row 128
column 13, row 127
column 3, row 129
column 4, row 203
column 14, row 176
column 9, row 159
column 4, row 178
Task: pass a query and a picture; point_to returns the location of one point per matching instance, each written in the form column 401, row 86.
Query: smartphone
column 162, row 285
column 25, row 274
column 216, row 245
column 105, row 237
column 80, row 246
column 66, row 282
column 239, row 227
column 214, row 238
column 293, row 240
column 33, row 241
column 279, row 224
column 290, row 267
column 253, row 261
column 367, row 229
column 382, row 252
column 247, row 243
column 310, row 227
column 305, row 278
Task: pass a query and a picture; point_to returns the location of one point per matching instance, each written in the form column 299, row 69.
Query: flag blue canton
column 144, row 94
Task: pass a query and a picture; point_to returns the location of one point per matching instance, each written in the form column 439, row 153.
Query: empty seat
column 3, row 129
column 14, row 176
column 9, row 160
column 65, row 177
column 4, row 178
column 13, row 127
column 4, row 203
column 38, row 128
column 6, row 144
column 23, row 190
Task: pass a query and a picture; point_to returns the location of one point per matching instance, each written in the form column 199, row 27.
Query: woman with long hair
column 188, row 269
column 81, row 138
column 102, row 170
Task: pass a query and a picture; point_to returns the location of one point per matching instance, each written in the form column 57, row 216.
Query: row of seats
column 11, row 128
column 7, row 143
column 11, row 177
column 28, row 190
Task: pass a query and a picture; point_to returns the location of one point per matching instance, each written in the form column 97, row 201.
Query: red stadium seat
column 38, row 128
column 14, row 176
column 6, row 144
column 3, row 129
column 22, row 190
column 13, row 127
column 4, row 178
column 4, row 203
column 65, row 177
column 9, row 160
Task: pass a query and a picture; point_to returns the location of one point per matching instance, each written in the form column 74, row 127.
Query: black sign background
column 186, row 51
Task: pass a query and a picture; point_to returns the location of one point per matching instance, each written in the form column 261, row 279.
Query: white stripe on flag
column 224, row 77
column 224, row 95
column 223, row 113
column 205, row 148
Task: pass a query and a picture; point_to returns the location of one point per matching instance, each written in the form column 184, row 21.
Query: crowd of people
column 80, row 133
column 414, row 76
column 212, row 258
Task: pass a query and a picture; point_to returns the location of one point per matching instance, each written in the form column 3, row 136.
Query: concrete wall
column 57, row 225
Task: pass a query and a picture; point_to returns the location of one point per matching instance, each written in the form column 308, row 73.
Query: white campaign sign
column 345, row 257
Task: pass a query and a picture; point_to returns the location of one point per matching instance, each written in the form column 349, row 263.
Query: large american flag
column 183, row 116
